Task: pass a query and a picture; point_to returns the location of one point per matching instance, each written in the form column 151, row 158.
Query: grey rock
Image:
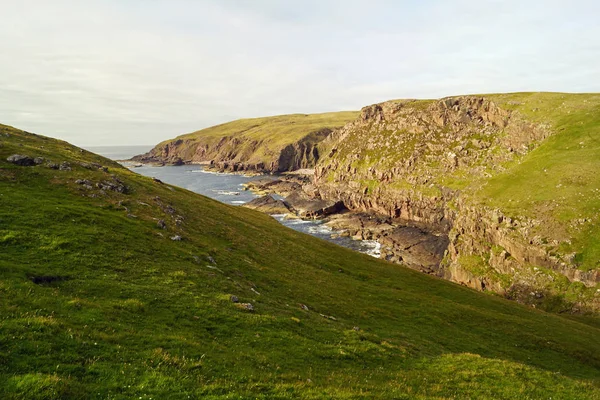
column 268, row 205
column 114, row 186
column 38, row 160
column 65, row 166
column 234, row 299
column 161, row 224
column 20, row 159
column 176, row 238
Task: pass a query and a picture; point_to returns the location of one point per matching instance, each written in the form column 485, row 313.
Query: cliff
column 270, row 144
column 507, row 182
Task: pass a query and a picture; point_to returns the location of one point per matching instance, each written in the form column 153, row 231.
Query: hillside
column 270, row 144
column 114, row 285
column 508, row 183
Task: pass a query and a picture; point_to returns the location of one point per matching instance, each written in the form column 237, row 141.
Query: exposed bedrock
column 237, row 154
column 393, row 160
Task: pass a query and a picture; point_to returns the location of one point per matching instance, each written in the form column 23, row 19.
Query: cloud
column 137, row 72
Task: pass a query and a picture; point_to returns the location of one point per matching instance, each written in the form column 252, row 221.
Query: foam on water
column 372, row 248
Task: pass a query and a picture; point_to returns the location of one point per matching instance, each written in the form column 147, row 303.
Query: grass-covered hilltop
column 269, row 144
column 114, row 285
column 510, row 183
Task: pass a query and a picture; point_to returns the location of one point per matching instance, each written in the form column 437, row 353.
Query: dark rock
column 65, row 166
column 22, row 160
column 268, row 205
column 161, row 224
column 307, row 207
column 52, row 165
column 42, row 279
column 157, row 180
column 234, row 299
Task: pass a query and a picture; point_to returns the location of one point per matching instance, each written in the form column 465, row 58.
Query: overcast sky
column 124, row 72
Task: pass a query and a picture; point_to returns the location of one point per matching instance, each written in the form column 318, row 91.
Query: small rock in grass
column 52, row 165
column 64, row 166
column 176, row 238
column 304, row 307
column 38, row 160
column 161, row 224
column 234, row 299
column 245, row 306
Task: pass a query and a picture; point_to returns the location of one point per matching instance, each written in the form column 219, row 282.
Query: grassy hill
column 279, row 143
column 511, row 178
column 98, row 301
column 559, row 182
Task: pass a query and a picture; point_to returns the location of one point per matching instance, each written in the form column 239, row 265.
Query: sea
column 228, row 189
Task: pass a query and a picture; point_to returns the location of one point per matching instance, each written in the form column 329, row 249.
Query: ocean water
column 228, row 188
column 119, row 152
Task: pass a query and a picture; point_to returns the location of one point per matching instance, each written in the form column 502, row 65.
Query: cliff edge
column 270, row 144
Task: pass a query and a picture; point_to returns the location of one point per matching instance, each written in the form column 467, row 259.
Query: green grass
column 135, row 314
column 258, row 139
column 558, row 182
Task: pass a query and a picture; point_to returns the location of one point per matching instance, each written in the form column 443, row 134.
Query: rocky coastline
column 404, row 174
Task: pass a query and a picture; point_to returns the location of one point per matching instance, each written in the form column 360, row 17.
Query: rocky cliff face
column 421, row 163
column 231, row 153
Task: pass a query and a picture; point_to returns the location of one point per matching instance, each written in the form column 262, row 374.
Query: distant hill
column 272, row 144
column 113, row 285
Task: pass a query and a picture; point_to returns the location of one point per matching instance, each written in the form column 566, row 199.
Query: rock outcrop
column 268, row 205
column 409, row 160
column 272, row 144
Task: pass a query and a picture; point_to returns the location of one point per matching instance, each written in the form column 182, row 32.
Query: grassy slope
column 558, row 182
column 143, row 316
column 274, row 133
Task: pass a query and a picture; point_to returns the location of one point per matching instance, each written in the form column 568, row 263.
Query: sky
column 136, row 72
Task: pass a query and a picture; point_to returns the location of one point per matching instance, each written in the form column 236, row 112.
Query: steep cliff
column 511, row 181
column 271, row 144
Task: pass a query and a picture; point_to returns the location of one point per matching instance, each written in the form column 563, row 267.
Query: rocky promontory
column 270, row 144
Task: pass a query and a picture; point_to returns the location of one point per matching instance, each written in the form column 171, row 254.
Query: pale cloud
column 136, row 72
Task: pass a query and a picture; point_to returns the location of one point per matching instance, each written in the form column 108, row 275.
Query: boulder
column 307, row 207
column 268, row 205
column 22, row 160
